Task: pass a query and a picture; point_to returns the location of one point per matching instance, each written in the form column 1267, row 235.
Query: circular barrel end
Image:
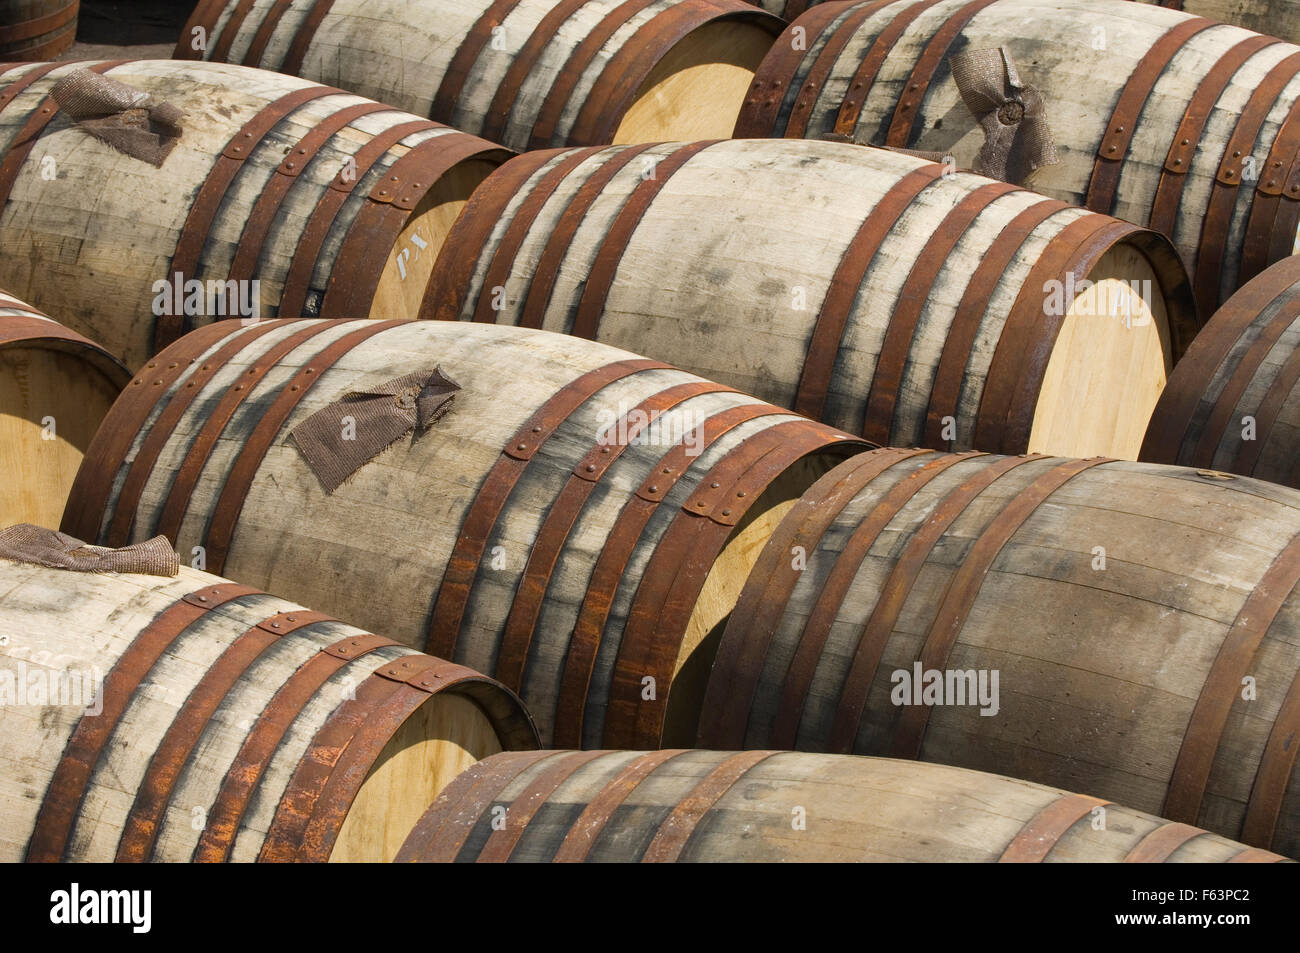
column 697, row 89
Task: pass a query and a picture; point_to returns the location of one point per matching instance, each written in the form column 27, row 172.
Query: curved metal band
column 1178, row 404
column 466, row 55
column 521, row 223
column 501, row 842
column 823, row 64
column 1209, row 717
column 542, row 286
column 675, row 832
column 246, row 772
column 266, row 206
column 297, row 281
column 864, row 77
column 607, row 575
column 74, row 774
column 1114, row 146
column 1182, row 150
column 494, row 492
column 1045, row 830
column 566, row 80
column 738, row 665
column 551, row 537
column 1159, row 845
column 230, row 502
column 900, row 333
column 207, row 203
column 927, row 64
column 1241, row 376
column 180, row 493
column 265, row 30
column 141, row 468
column 964, row 588
column 601, row 277
column 522, row 63
column 879, row 626
column 1025, row 344
column 373, row 233
column 441, row 833
column 581, row 838
column 140, row 832
column 1224, row 193
column 774, row 79
column 447, row 292
column 297, row 52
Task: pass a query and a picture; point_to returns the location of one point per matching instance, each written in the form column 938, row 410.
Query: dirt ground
column 135, row 29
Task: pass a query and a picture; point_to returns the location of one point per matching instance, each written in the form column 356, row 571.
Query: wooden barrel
column 526, row 73
column 880, row 293
column 193, row 718
column 579, row 524
column 765, row 807
column 55, row 388
column 1161, row 118
column 333, row 204
column 1118, row 628
column 37, row 29
column 1233, row 403
column 1280, row 18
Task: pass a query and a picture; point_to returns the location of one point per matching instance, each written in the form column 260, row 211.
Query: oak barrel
column 55, row 388
column 578, row 525
column 37, row 29
column 1234, row 402
column 764, row 807
column 333, row 204
column 193, row 718
column 1166, row 119
column 881, row 293
column 1124, row 629
column 526, row 73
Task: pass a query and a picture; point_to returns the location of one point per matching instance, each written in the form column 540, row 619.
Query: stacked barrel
column 556, row 431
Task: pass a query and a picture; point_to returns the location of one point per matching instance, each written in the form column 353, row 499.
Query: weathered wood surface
column 1125, row 84
column 1140, row 620
column 764, row 807
column 1234, row 402
column 526, row 73
column 878, row 292
column 1280, row 18
column 337, row 207
column 37, row 29
column 574, row 560
column 55, row 388
column 146, row 718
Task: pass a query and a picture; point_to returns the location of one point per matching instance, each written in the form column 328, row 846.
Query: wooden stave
column 291, row 45
column 43, row 36
column 474, row 247
column 195, row 655
column 1200, row 420
column 24, row 329
column 616, row 807
column 1232, row 218
column 1229, row 800
column 389, row 577
column 294, row 249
